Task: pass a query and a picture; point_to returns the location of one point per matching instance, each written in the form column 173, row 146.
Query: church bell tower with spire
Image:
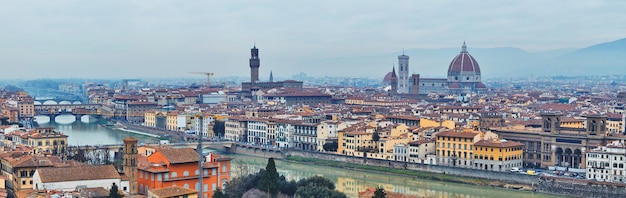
column 255, row 63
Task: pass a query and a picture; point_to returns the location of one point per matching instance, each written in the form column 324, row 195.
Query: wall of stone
column 581, row 188
column 474, row 173
column 253, row 151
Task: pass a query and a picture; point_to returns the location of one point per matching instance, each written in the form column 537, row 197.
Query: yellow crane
column 208, row 77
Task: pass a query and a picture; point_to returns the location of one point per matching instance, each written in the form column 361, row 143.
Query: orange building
column 179, row 167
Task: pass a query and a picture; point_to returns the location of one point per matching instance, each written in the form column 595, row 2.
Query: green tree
column 380, row 192
column 331, row 146
column 114, row 192
column 239, row 185
column 269, row 180
column 312, row 190
column 317, row 181
column 376, row 136
column 287, row 187
column 219, row 194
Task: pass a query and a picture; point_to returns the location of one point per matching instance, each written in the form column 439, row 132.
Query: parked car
column 515, row 169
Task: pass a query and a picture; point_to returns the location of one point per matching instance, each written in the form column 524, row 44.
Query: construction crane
column 208, row 77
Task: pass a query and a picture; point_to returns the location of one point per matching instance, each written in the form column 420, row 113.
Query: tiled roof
column 457, row 134
column 497, row 144
column 179, row 155
column 172, row 191
column 78, row 173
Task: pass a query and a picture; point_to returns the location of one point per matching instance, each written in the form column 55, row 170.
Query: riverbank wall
column 580, row 188
column 506, row 177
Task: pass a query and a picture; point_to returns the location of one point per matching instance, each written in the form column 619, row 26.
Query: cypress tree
column 270, row 179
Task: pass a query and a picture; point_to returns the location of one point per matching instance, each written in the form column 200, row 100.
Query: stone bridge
column 76, row 109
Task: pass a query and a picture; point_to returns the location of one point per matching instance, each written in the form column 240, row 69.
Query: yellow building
column 435, row 123
column 18, row 169
column 172, row 121
column 150, row 120
column 397, row 135
column 47, row 140
column 456, row 148
column 572, row 123
column 354, row 140
column 497, row 155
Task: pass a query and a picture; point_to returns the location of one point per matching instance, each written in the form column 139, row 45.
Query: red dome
column 454, row 86
column 480, row 85
column 464, row 62
column 387, row 77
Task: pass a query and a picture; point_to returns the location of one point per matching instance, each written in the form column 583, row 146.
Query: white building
column 68, row 178
column 328, row 130
column 257, row 131
column 400, row 152
column 305, row 136
column 606, row 163
column 202, row 124
column 419, row 150
column 284, row 134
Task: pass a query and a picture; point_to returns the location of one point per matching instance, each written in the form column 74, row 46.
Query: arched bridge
column 76, row 109
column 56, row 100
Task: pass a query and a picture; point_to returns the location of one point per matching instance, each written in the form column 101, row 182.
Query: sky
column 159, row 39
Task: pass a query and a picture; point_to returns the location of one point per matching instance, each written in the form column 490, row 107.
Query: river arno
column 91, row 133
column 347, row 181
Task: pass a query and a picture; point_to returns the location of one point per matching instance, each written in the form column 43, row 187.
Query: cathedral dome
column 463, row 63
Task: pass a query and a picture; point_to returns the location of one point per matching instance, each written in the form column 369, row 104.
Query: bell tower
column 255, row 63
column 551, row 122
column 596, row 125
column 130, row 163
column 394, row 81
column 403, row 73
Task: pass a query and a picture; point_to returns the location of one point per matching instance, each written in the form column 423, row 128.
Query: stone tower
column 130, row 163
column 255, row 63
column 403, row 73
column 415, row 84
column 596, row 125
column 551, row 122
column 394, row 81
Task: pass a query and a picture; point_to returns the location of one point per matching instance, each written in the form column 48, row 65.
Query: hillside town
column 558, row 131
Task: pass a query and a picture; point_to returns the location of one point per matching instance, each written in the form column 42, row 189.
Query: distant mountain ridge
column 599, row 59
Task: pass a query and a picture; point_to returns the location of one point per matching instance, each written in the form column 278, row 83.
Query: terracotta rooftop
column 179, row 155
column 173, row 191
column 497, row 144
column 457, row 134
column 78, row 173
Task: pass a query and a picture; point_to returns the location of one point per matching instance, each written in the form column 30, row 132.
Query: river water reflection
column 348, row 181
column 351, row 182
column 82, row 133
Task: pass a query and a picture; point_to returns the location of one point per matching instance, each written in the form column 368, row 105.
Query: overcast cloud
column 153, row 38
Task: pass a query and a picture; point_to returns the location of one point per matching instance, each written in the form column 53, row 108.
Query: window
column 185, row 173
column 174, row 174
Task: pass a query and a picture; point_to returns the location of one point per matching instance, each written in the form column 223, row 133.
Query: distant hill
column 600, row 59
